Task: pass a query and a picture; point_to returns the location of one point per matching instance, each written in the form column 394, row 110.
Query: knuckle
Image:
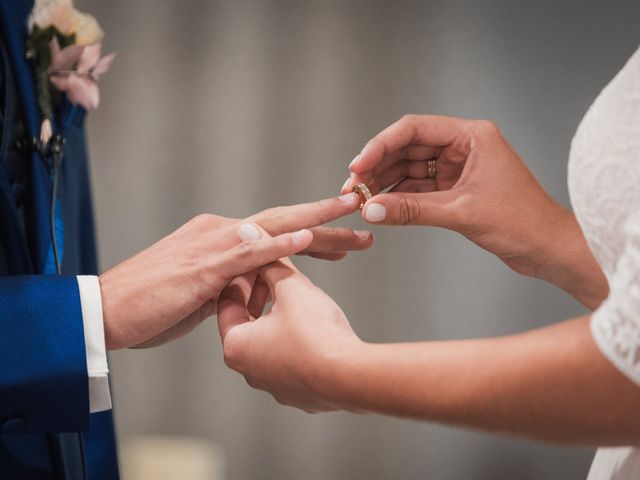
column 458, row 217
column 270, row 213
column 323, row 209
column 409, row 211
column 203, row 220
column 233, row 351
column 410, row 122
column 271, row 219
column 408, row 118
column 251, row 382
column 230, row 354
column 320, row 204
column 245, row 249
column 209, row 279
column 327, row 202
column 486, row 127
column 462, row 214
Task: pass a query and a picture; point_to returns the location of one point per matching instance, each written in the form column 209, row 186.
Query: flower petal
column 102, row 66
column 89, row 58
column 64, row 59
column 83, row 91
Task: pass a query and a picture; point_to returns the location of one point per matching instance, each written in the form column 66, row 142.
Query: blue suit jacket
column 43, row 373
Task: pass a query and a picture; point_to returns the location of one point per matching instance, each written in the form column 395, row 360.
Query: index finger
column 426, row 130
column 292, row 218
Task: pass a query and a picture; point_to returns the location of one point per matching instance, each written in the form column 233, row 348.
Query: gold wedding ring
column 363, row 191
column 431, row 168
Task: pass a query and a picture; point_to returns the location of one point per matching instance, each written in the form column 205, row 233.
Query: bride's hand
column 294, row 350
column 482, row 190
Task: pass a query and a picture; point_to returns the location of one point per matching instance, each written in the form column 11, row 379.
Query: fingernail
column 348, row 198
column 354, row 161
column 362, row 234
column 248, row 231
column 375, row 213
column 299, row 236
column 346, row 183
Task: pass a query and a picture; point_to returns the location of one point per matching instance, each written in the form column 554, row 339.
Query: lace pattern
column 604, row 183
column 616, row 324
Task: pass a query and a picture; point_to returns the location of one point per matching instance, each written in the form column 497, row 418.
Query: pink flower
column 79, row 83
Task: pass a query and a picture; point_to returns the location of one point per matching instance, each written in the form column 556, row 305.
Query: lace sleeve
column 615, row 325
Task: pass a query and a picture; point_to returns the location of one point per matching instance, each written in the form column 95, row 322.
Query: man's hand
column 329, row 243
column 168, row 289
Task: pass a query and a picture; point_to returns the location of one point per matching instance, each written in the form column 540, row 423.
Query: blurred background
column 234, row 106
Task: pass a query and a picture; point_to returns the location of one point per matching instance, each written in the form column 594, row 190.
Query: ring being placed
column 431, row 169
column 363, row 191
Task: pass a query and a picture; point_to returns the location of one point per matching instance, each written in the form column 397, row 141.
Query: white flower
column 45, row 12
column 85, row 27
column 62, row 15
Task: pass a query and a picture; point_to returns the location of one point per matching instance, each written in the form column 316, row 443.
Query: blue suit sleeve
column 43, row 370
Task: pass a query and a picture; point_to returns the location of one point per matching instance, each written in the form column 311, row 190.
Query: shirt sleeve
column 97, row 367
column 615, row 325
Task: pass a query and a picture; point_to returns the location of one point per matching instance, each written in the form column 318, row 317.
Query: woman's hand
column 168, row 289
column 482, row 190
column 289, row 351
column 550, row 384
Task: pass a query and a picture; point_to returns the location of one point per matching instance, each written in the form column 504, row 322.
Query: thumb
column 281, row 276
column 232, row 305
column 396, row 208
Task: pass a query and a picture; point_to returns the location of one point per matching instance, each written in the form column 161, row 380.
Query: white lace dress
column 604, row 183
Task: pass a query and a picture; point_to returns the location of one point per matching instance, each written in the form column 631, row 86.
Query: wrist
column 341, row 373
column 112, row 337
column 566, row 261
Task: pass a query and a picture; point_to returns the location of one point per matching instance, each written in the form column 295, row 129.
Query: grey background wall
column 234, row 106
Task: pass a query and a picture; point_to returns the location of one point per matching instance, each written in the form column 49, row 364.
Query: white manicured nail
column 348, row 198
column 346, row 183
column 375, row 213
column 362, row 234
column 354, row 161
column 299, row 236
column 248, row 231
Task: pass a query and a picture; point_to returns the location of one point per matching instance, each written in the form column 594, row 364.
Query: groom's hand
column 328, row 243
column 168, row 289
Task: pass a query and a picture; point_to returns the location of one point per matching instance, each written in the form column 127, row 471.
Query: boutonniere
column 64, row 47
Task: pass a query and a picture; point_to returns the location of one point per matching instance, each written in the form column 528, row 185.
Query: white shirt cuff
column 97, row 367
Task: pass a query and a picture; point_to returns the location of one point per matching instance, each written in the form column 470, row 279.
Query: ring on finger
column 363, row 192
column 431, row 168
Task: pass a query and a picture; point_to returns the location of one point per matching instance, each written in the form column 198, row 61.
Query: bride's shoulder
column 618, row 104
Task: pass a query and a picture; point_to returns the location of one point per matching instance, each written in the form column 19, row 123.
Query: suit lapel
column 13, row 21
